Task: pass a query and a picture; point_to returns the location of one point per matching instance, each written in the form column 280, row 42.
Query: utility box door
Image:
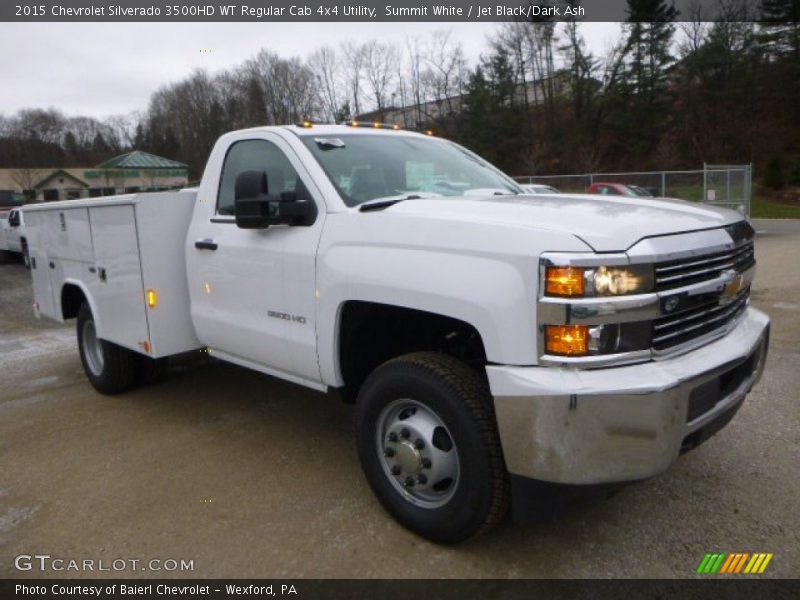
column 118, row 289
column 43, row 292
column 68, row 236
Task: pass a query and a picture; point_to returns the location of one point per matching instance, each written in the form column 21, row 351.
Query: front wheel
column 428, row 444
column 111, row 369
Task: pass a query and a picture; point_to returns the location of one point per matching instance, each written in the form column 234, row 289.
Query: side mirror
column 255, row 208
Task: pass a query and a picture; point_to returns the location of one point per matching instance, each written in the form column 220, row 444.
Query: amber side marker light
column 564, row 281
column 152, row 298
column 567, row 340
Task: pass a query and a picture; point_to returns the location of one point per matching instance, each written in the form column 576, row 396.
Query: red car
column 618, row 189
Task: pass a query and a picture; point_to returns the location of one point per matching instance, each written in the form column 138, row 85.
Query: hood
column 607, row 224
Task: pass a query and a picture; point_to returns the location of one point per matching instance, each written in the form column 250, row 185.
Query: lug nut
column 396, row 470
column 410, row 481
column 426, row 463
column 422, row 478
column 393, row 437
column 405, row 433
column 419, row 444
column 388, row 452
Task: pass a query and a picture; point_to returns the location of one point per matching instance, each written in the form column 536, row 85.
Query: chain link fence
column 728, row 186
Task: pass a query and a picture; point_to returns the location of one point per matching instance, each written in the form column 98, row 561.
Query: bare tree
column 122, row 129
column 445, row 72
column 416, row 52
column 354, row 61
column 326, row 71
column 25, row 178
column 380, row 61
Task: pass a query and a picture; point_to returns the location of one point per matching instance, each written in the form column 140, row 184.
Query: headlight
column 598, row 281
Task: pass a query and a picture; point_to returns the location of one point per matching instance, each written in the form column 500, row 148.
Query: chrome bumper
column 572, row 426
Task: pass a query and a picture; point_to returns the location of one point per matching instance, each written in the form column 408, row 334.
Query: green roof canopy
column 140, row 160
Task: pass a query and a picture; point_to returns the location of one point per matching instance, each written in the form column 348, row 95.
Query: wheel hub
column 93, row 351
column 407, row 457
column 418, row 453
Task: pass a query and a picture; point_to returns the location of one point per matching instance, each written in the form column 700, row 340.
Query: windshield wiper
column 385, row 203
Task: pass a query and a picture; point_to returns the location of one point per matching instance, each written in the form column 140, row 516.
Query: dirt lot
column 252, row 477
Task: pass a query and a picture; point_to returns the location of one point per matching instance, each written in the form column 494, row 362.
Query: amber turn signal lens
column 567, row 340
column 152, row 298
column 564, row 281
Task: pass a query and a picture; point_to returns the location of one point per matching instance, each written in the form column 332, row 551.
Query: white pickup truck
column 13, row 236
column 493, row 342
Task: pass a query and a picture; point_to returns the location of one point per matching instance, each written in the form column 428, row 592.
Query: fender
column 89, row 298
column 481, row 274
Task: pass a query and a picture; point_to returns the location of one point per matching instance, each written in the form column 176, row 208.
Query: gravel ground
column 249, row 476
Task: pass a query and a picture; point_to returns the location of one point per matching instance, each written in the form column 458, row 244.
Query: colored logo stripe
column 758, row 563
column 722, row 563
column 711, row 562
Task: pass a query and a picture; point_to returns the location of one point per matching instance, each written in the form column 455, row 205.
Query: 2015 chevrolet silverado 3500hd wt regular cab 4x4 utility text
column 489, row 339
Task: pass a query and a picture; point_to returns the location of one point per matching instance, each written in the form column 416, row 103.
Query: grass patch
column 767, row 209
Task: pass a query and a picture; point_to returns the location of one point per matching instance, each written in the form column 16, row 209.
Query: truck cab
column 493, row 342
column 14, row 235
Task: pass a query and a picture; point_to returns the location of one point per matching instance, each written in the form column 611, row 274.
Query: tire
column 437, row 399
column 4, row 257
column 26, row 257
column 111, row 369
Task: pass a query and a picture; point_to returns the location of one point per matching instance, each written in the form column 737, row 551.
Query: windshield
column 371, row 167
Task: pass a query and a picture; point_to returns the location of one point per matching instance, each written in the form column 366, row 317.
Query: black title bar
column 357, row 10
column 437, row 589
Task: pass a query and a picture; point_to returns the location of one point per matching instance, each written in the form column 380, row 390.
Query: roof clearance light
column 306, row 124
column 429, row 132
column 396, row 127
column 376, row 125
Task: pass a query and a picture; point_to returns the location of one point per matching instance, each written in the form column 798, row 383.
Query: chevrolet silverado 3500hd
column 490, row 339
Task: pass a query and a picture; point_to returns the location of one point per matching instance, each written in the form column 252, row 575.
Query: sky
column 102, row 69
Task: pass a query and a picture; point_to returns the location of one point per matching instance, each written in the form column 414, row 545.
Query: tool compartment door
column 43, row 292
column 117, row 286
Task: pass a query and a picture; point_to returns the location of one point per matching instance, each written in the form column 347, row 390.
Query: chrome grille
column 695, row 269
column 685, row 326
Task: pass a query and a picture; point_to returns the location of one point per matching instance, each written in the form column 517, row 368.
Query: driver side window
column 257, row 155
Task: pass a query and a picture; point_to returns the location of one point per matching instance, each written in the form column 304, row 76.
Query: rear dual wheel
column 110, row 368
column 429, row 446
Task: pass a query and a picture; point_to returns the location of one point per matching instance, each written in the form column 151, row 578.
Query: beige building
column 420, row 116
column 135, row 171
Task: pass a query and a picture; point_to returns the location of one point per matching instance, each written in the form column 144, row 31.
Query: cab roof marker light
column 373, row 125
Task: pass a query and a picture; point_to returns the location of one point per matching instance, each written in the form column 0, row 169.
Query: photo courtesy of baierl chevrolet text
column 399, row 298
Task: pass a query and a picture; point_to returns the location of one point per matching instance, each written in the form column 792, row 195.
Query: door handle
column 205, row 244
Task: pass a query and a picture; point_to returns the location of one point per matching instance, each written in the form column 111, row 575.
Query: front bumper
column 571, row 426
